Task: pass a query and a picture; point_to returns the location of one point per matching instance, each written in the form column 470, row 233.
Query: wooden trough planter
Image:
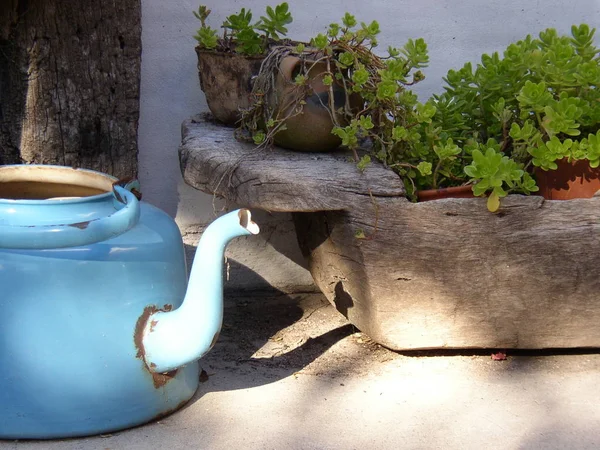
column 438, row 274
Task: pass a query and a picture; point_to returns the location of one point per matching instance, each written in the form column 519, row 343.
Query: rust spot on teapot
column 214, row 339
column 158, row 379
column 80, row 225
column 138, row 335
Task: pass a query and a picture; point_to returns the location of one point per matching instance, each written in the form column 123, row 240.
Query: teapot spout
column 175, row 338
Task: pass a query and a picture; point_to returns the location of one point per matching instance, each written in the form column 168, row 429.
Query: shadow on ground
column 280, row 334
column 270, row 335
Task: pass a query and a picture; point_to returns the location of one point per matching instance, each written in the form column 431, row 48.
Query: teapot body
column 71, row 359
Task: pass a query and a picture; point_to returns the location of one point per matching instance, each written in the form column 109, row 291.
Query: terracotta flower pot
column 571, row 180
column 311, row 129
column 451, row 192
column 226, row 80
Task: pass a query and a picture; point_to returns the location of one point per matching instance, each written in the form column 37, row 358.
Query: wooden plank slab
column 449, row 274
column 213, row 161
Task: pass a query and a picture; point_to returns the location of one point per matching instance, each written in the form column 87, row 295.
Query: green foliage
column 493, row 170
column 349, row 20
column 345, row 59
column 360, row 234
column 348, row 135
column 390, row 114
column 369, row 32
column 359, row 77
column 249, row 42
column 239, row 22
column 390, row 111
column 202, row 14
column 364, row 162
column 425, row 168
column 416, row 53
column 365, row 123
column 424, row 112
column 319, row 41
column 207, row 37
column 273, row 24
column 591, row 149
column 259, row 137
column 547, row 153
column 240, row 34
column 300, row 79
column 448, row 150
column 334, row 30
column 534, row 104
column 533, row 96
column 386, row 90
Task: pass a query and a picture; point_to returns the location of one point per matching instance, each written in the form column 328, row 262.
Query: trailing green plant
column 240, row 34
column 389, row 112
column 535, row 105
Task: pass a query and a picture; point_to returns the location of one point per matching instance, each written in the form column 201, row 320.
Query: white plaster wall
column 456, row 31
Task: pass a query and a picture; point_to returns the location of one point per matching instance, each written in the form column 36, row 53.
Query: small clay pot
column 575, row 179
column 451, row 192
column 310, row 130
column 226, row 80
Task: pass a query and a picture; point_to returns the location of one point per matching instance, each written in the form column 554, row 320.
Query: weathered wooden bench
column 439, row 274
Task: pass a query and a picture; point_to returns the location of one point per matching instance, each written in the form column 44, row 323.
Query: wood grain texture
column 69, row 83
column 449, row 274
column 276, row 179
column 439, row 274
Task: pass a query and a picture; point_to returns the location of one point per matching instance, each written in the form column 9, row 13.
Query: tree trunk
column 69, row 83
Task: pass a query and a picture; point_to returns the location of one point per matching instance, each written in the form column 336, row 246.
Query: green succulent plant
column 536, row 104
column 240, row 34
column 390, row 111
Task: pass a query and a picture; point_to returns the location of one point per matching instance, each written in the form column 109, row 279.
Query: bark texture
column 439, row 274
column 69, row 83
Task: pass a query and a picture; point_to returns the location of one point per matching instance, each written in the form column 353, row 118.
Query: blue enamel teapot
column 97, row 329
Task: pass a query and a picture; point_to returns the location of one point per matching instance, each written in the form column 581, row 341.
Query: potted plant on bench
column 337, row 90
column 227, row 63
column 532, row 114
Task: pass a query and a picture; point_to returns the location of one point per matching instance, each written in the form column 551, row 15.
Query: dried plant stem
column 376, row 224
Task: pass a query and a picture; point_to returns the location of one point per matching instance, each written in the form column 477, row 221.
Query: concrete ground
column 289, row 372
